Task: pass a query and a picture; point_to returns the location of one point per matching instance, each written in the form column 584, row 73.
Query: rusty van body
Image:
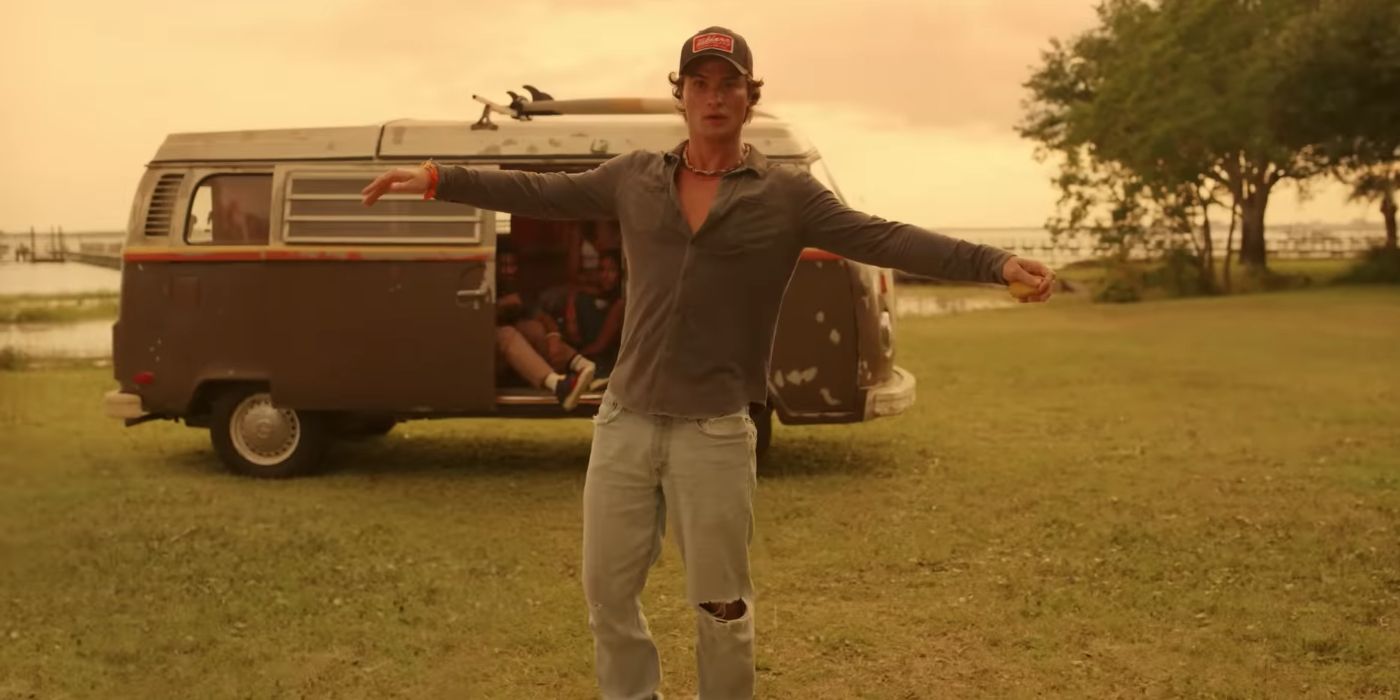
column 261, row 300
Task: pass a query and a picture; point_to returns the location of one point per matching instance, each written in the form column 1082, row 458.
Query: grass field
column 1195, row 498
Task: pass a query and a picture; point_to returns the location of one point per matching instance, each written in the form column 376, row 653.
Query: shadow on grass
column 444, row 455
column 825, row 455
column 466, row 455
column 478, row 454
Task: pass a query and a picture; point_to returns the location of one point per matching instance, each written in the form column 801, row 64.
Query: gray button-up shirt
column 702, row 309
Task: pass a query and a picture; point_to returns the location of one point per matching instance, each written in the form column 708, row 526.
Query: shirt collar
column 756, row 162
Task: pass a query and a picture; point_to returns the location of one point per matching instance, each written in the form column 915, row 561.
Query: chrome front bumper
column 891, row 398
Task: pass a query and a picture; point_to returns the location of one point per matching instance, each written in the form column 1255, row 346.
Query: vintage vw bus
column 261, row 300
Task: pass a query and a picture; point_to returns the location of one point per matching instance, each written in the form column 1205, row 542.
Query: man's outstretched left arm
column 828, row 224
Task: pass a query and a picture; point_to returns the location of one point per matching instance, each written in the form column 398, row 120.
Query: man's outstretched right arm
column 586, row 195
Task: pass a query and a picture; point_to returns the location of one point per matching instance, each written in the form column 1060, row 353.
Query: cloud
column 912, row 100
column 928, row 63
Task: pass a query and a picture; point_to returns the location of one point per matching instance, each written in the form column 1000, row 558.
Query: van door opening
column 559, row 294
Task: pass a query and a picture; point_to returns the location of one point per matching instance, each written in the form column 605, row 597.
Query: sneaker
column 572, row 387
column 583, row 364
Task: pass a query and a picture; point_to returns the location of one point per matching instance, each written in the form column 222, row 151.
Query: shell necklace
column 685, row 156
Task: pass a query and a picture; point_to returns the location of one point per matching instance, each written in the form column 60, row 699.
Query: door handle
column 485, row 290
column 474, row 296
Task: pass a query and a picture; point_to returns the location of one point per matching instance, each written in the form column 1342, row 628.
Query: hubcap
column 262, row 433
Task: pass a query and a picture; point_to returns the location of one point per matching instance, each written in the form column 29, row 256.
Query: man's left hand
column 1033, row 274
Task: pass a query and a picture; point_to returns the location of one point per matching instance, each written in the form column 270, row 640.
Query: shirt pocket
column 750, row 225
column 644, row 202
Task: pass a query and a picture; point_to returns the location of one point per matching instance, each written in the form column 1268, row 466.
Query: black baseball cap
column 718, row 41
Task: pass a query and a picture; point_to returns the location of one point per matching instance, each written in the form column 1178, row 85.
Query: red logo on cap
column 718, row 42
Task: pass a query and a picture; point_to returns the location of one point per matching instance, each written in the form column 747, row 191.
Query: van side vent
column 162, row 204
column 325, row 207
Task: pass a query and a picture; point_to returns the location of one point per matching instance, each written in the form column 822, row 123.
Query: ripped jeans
column 700, row 475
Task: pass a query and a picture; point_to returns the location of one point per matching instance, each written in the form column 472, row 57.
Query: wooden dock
column 100, row 259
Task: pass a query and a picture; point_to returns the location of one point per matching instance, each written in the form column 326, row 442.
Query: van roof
column 562, row 137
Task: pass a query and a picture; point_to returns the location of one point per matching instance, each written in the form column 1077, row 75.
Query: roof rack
column 540, row 103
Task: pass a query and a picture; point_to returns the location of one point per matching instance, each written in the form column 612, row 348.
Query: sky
column 912, row 102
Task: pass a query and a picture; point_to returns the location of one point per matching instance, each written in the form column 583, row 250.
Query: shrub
column 1122, row 283
column 1377, row 266
column 12, row 359
column 1178, row 274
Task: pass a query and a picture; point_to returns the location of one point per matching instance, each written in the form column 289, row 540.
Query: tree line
column 1170, row 110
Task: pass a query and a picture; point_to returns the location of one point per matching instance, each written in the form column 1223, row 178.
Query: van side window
column 230, row 210
column 325, row 207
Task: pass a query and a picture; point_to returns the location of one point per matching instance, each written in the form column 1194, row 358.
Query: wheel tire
column 254, row 438
column 763, row 420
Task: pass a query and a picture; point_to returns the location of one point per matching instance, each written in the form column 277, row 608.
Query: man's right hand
column 399, row 181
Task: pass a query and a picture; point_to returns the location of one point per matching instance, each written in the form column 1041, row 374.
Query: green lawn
column 1195, row 498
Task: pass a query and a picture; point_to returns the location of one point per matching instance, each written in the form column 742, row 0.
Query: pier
column 100, row 248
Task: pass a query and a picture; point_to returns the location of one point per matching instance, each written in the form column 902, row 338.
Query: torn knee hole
column 726, row 612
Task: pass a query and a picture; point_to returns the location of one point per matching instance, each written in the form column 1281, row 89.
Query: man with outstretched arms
column 712, row 232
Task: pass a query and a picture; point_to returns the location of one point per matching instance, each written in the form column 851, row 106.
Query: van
column 261, row 300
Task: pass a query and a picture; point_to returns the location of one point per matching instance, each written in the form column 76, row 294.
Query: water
column 57, row 278
column 81, row 339
column 909, row 305
column 1031, row 243
column 1297, row 240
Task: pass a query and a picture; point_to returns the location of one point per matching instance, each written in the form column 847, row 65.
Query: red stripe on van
column 295, row 256
column 193, row 257
column 814, row 254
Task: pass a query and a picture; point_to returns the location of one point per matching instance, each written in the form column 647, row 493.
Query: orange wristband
column 432, row 178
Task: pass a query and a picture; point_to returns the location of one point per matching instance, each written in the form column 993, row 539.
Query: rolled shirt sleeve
column 828, row 224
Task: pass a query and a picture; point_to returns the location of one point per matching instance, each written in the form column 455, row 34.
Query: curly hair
column 755, row 93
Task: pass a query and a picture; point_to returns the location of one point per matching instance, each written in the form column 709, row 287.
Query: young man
column 712, row 233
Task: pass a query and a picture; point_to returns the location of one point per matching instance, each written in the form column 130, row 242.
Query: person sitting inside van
column 529, row 342
column 587, row 242
column 592, row 321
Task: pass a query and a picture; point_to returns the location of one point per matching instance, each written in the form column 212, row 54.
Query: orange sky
column 911, row 101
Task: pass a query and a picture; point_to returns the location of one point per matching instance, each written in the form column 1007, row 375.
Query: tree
column 1342, row 93
column 1180, row 93
column 1378, row 184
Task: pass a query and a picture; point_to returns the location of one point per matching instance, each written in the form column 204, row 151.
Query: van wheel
column 255, row 438
column 763, row 420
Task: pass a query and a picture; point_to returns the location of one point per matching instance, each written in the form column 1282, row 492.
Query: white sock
column 552, row 381
column 579, row 362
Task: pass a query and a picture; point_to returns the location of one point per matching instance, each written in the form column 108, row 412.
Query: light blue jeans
column 701, row 475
